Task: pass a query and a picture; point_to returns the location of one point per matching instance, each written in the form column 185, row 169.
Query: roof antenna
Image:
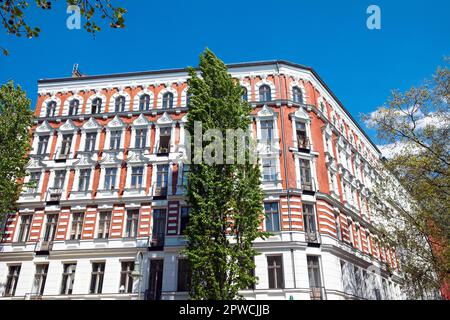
column 75, row 72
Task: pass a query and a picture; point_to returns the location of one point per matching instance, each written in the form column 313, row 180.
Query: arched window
column 120, row 104
column 144, row 102
column 96, row 106
column 297, row 95
column 73, row 107
column 51, row 109
column 244, row 94
column 167, row 102
column 264, row 93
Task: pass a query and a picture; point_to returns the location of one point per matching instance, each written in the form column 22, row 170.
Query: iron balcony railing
column 317, row 293
column 43, row 246
column 54, row 194
column 160, row 190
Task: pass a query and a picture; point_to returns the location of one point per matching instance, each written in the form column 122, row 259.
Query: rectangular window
column 159, row 227
column 39, row 279
column 309, row 222
column 164, row 139
column 269, row 170
column 90, row 141
column 77, row 226
column 141, row 138
column 137, row 174
column 272, row 216
column 266, row 130
column 65, row 145
column 25, row 225
column 50, row 227
column 35, row 177
column 114, row 141
column 110, row 178
column 162, row 177
column 85, row 177
column 315, row 282
column 60, row 176
column 42, row 144
column 98, row 272
column 126, row 280
column 11, row 280
column 275, row 271
column 104, row 224
column 184, row 218
column 156, row 276
column 68, row 278
column 305, row 174
column 184, row 275
column 132, row 223
column 302, row 138
column 185, row 174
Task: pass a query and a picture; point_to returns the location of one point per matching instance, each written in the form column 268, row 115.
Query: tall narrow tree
column 15, row 121
column 226, row 199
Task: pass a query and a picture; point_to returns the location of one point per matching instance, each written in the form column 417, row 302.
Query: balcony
column 62, row 154
column 112, row 192
column 312, row 237
column 134, row 191
column 160, row 191
column 317, row 293
column 304, row 145
column 156, row 241
column 43, row 247
column 53, row 196
column 308, row 187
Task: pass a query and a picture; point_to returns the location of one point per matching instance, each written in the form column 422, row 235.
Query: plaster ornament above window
column 328, row 130
column 109, row 158
column 35, row 163
column 141, row 121
column 68, row 126
column 91, row 124
column 135, row 156
column 84, row 161
column 116, row 122
column 302, row 114
column 266, row 111
column 164, row 119
column 44, row 127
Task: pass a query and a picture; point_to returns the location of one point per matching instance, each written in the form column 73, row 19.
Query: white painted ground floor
column 287, row 268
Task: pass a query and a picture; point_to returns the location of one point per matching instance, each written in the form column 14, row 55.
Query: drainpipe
column 286, row 175
column 284, row 160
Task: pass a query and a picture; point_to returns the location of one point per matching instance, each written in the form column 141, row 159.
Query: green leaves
column 12, row 16
column 418, row 121
column 226, row 199
column 15, row 121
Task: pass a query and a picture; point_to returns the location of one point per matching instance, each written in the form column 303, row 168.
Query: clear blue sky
column 361, row 66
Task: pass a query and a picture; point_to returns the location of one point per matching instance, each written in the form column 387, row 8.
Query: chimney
column 75, row 72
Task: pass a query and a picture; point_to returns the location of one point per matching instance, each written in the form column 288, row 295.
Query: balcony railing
column 317, row 293
column 54, row 194
column 43, row 246
column 157, row 240
column 303, row 144
column 160, row 190
column 312, row 236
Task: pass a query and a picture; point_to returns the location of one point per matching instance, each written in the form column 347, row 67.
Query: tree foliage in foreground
column 415, row 125
column 15, row 121
column 226, row 199
column 13, row 15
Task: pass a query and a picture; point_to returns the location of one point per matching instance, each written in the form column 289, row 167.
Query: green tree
column 13, row 19
column 226, row 199
column 415, row 128
column 15, row 122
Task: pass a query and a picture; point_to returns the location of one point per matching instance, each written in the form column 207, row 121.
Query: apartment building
column 106, row 214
